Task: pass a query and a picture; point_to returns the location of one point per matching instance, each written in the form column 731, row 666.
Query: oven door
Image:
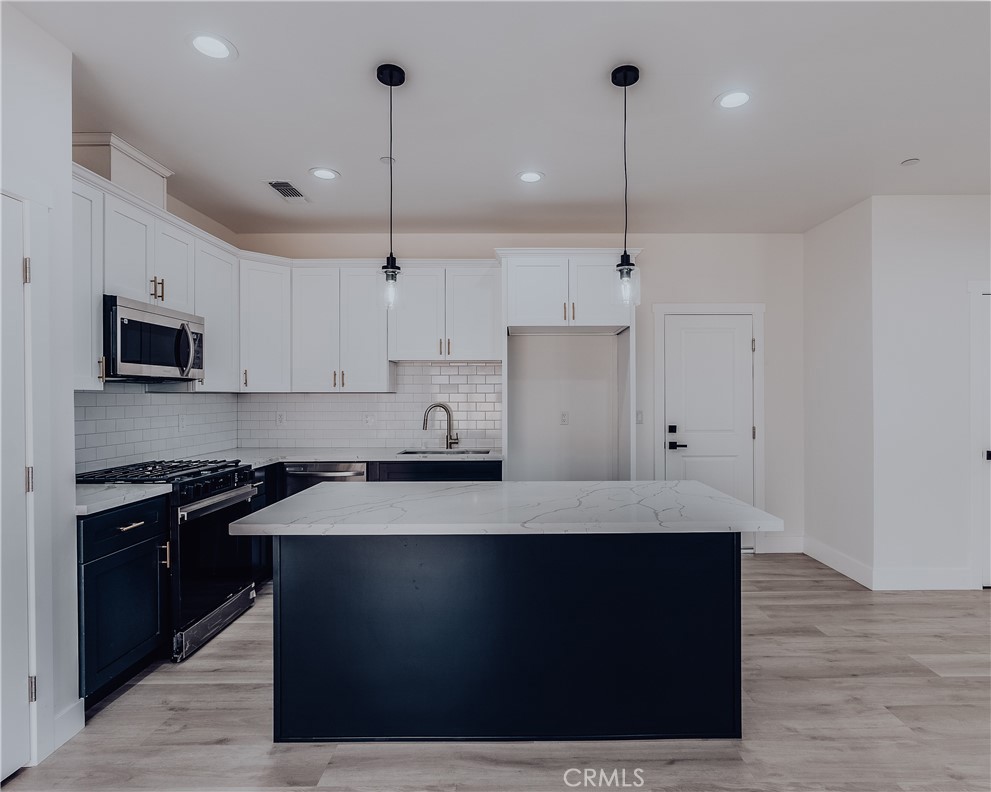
column 152, row 342
column 212, row 572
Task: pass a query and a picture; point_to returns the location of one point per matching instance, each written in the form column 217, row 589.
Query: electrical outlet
column 182, row 421
column 639, row 416
column 565, row 418
column 368, row 419
column 280, row 419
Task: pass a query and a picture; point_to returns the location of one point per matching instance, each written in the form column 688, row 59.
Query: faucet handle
column 454, row 439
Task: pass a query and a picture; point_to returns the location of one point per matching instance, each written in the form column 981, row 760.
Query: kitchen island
column 507, row 610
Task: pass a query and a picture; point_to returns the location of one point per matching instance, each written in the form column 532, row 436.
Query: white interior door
column 709, row 401
column 15, row 747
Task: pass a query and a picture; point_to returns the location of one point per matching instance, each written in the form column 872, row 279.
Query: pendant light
column 628, row 288
column 392, row 76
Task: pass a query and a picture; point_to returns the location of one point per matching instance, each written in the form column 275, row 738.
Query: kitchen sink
column 447, row 451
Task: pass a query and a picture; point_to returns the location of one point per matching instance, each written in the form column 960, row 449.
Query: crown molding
column 110, row 139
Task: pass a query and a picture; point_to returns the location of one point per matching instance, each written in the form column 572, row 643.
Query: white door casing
column 15, row 711
column 980, row 419
column 474, row 313
column 316, row 329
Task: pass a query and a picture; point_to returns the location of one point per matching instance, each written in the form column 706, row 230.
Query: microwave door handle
column 192, row 351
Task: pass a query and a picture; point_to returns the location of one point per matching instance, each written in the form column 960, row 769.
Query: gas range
column 191, row 480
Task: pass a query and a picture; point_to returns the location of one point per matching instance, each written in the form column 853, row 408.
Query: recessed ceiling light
column 530, row 176
column 910, row 161
column 732, row 99
column 213, row 46
column 324, row 173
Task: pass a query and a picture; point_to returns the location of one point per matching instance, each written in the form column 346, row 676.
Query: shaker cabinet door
column 365, row 365
column 474, row 313
column 416, row 323
column 316, row 329
column 129, row 250
column 594, row 293
column 216, row 300
column 175, row 252
column 87, row 275
column 266, row 323
column 538, row 291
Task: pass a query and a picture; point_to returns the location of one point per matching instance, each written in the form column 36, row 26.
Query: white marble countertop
column 95, row 498
column 259, row 457
column 513, row 507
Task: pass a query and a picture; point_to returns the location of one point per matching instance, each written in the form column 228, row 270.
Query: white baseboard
column 69, row 722
column 840, row 561
column 777, row 543
column 924, row 579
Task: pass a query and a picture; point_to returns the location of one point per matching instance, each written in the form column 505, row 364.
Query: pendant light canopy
column 628, row 291
column 392, row 76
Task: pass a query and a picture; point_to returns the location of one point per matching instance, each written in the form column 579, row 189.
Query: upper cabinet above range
column 564, row 291
column 447, row 313
column 147, row 258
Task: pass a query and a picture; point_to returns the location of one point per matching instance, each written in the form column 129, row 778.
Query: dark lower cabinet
column 442, row 470
column 123, row 594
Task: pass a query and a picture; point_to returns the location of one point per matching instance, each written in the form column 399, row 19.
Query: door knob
column 674, row 446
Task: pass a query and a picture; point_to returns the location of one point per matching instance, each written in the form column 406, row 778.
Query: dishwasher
column 302, row 475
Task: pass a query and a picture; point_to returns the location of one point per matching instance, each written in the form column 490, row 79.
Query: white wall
column 925, row 251
column 37, row 140
column 839, row 453
column 549, row 375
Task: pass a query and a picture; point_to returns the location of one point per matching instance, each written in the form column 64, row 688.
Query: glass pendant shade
column 628, row 284
column 391, row 271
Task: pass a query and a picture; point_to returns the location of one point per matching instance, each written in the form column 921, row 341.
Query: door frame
column 754, row 310
column 979, row 538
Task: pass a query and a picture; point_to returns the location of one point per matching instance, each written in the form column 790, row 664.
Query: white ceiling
column 842, row 93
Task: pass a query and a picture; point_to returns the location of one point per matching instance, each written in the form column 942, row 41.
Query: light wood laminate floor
column 845, row 690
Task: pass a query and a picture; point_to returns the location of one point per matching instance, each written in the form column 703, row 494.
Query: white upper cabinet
column 593, row 289
column 578, row 290
column 416, row 323
column 216, row 300
column 538, row 291
column 266, row 321
column 87, row 274
column 474, row 313
column 316, row 329
column 129, row 250
column 365, row 365
column 175, row 252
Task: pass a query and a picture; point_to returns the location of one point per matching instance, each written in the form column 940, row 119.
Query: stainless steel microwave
column 148, row 342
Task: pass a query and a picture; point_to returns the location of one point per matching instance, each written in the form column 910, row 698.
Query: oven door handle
column 326, row 474
column 217, row 502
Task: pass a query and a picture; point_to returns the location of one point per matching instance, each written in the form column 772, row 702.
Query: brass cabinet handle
column 335, row 378
column 162, row 284
column 154, row 288
column 102, row 364
column 167, row 547
column 449, row 347
column 572, row 312
column 131, row 527
column 246, row 378
column 342, row 378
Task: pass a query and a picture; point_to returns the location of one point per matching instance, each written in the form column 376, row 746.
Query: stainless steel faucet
column 451, row 439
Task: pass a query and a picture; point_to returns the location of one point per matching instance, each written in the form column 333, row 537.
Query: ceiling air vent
column 288, row 191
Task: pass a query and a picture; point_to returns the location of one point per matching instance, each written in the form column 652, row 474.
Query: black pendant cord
column 626, row 179
column 391, row 161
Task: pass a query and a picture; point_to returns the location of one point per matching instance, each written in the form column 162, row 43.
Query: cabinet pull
column 167, row 547
column 335, row 378
column 565, row 307
column 246, row 378
column 342, row 378
column 154, row 288
column 162, row 284
column 572, row 311
column 449, row 347
column 102, row 364
column 440, row 346
column 131, row 527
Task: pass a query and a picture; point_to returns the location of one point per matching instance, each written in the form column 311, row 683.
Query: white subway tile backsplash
column 123, row 424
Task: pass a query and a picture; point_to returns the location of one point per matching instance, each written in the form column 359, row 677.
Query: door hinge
column 29, row 479
column 753, row 432
column 27, row 269
column 32, row 689
column 753, row 344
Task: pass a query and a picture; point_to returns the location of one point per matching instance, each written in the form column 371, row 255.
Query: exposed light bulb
column 628, row 292
column 391, row 291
